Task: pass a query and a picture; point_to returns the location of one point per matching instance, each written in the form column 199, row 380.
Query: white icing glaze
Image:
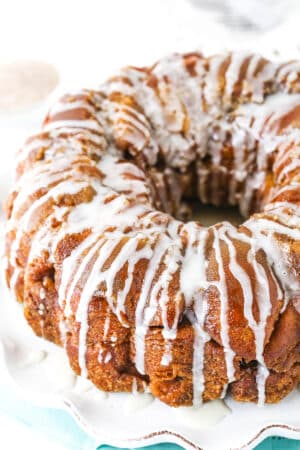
column 32, row 358
column 83, row 385
column 58, row 372
column 143, row 320
column 202, row 418
column 233, row 72
column 222, row 288
column 137, row 402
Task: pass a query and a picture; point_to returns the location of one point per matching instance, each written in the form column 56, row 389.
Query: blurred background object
column 255, row 14
column 23, row 84
column 261, row 14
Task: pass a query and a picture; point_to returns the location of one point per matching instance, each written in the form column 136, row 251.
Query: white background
column 87, row 40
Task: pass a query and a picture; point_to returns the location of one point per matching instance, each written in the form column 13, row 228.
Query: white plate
column 108, row 418
column 124, row 420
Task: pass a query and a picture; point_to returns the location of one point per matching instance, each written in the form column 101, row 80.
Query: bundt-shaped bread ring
column 99, row 255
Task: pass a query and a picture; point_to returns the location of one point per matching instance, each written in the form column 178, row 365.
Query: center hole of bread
column 209, row 215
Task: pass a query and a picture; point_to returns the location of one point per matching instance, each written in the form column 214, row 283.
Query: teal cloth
column 59, row 426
